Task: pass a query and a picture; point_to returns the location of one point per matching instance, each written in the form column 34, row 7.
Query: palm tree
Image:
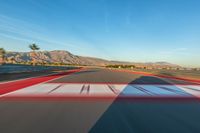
column 2, row 55
column 33, row 54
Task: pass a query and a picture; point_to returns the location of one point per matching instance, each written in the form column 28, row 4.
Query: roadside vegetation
column 193, row 73
column 2, row 56
column 121, row 66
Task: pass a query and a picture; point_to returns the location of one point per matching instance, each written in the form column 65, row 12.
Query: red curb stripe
column 102, row 98
column 161, row 76
column 13, row 86
column 124, row 83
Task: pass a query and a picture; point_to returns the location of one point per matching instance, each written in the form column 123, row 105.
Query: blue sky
column 126, row 30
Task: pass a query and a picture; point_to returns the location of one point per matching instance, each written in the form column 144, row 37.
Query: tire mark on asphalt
column 113, row 89
column 192, row 89
column 88, row 89
column 54, row 89
column 143, row 90
column 85, row 88
column 171, row 90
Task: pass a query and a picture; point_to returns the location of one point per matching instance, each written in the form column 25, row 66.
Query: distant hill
column 69, row 58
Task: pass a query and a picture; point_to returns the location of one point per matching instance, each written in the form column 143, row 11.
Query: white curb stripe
column 49, row 89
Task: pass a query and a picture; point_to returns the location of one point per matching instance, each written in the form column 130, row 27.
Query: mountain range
column 66, row 57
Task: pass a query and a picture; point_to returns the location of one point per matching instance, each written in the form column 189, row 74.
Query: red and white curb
column 103, row 90
column 7, row 87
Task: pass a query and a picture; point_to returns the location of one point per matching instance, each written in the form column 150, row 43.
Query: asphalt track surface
column 172, row 109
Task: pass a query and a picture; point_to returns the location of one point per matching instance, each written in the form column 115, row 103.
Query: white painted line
column 41, row 89
column 194, row 90
column 100, row 90
column 130, row 90
column 48, row 89
column 166, row 90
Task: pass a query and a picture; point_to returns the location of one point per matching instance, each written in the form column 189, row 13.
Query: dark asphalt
column 49, row 116
column 110, row 76
column 101, row 116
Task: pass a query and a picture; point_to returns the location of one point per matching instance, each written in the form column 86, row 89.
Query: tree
column 33, row 54
column 2, row 55
column 34, row 47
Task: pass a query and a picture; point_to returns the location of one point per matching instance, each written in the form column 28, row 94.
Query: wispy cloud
column 25, row 31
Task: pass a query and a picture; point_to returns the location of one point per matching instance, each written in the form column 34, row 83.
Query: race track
column 99, row 100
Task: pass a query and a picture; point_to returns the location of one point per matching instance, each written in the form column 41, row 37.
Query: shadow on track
column 149, row 80
column 150, row 116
